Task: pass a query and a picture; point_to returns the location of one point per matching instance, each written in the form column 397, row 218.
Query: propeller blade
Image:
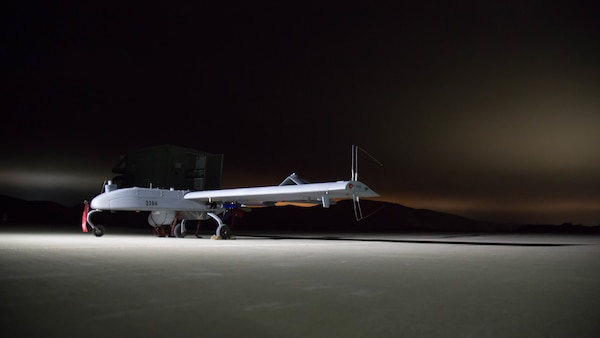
column 357, row 210
column 354, row 177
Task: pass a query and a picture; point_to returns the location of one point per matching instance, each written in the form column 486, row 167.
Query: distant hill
column 384, row 217
column 18, row 211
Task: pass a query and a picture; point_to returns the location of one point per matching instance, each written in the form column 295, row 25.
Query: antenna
column 354, row 170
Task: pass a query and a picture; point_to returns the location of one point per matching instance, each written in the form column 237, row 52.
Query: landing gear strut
column 223, row 230
column 97, row 229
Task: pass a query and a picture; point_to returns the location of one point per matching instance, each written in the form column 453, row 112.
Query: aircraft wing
column 310, row 192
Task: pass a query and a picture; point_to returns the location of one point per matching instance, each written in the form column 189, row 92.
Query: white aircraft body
column 168, row 206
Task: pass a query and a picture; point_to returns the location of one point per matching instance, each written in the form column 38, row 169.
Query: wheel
column 178, row 230
column 98, row 230
column 224, row 231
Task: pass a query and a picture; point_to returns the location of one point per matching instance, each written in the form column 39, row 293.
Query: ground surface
column 64, row 283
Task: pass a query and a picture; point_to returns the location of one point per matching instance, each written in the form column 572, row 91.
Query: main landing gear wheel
column 223, row 232
column 179, row 231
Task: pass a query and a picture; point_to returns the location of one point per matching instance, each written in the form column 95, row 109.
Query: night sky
column 490, row 111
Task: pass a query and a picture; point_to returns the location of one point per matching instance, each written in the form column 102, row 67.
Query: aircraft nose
column 100, row 202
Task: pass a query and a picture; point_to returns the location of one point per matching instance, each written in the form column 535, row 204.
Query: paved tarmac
column 68, row 284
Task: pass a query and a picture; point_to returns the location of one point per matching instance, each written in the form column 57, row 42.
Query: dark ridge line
column 417, row 241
